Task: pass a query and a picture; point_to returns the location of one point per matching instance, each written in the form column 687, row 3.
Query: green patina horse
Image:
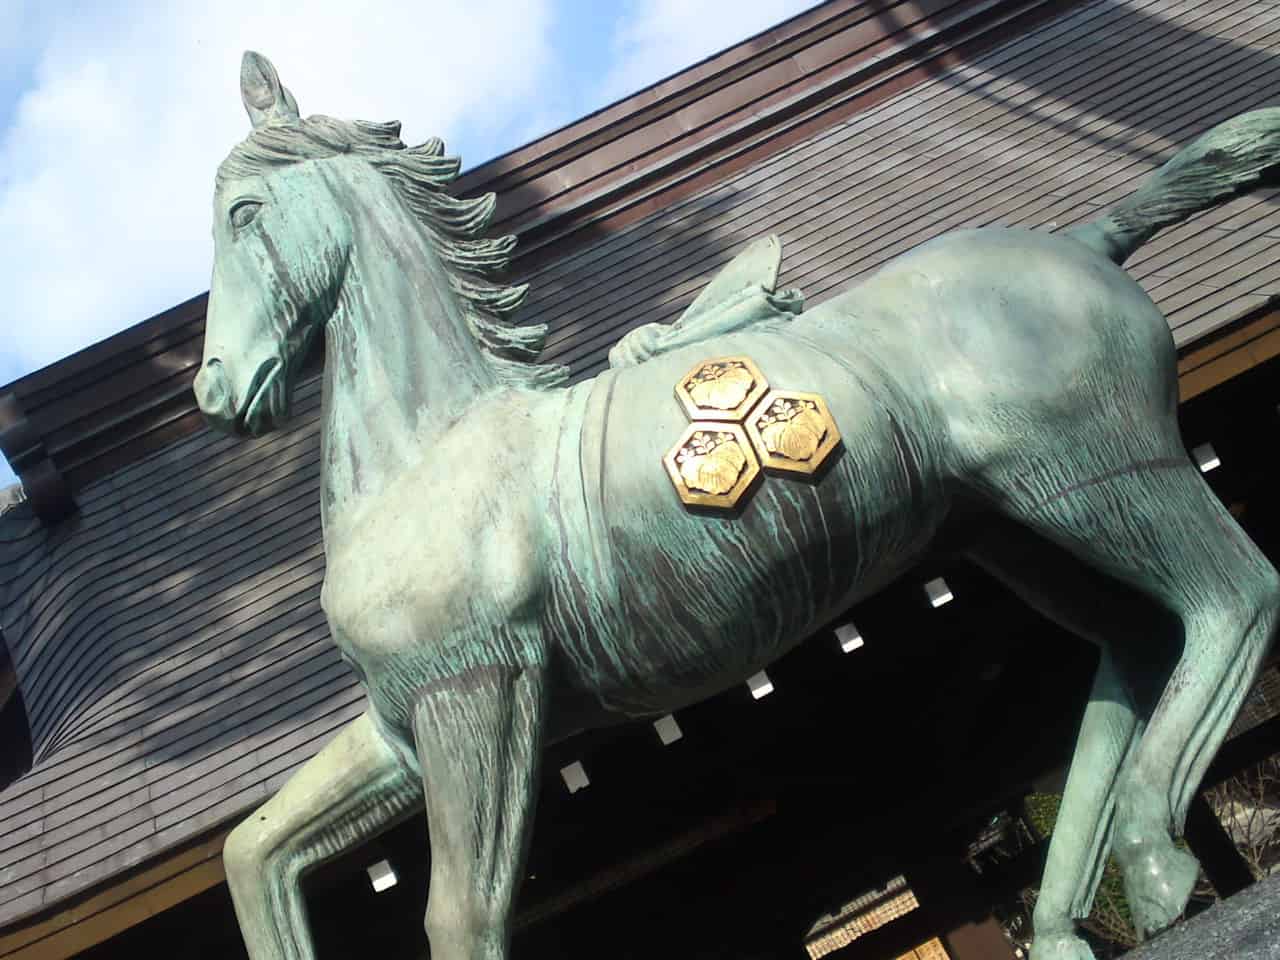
column 507, row 561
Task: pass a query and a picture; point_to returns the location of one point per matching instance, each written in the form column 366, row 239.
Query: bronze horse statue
column 508, row 562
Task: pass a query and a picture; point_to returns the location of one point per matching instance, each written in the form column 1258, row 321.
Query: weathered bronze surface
column 505, row 562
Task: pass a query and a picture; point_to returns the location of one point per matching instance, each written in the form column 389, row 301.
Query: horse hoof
column 1158, row 883
column 1063, row 946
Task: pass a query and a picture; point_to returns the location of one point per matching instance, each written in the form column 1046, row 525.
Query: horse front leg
column 479, row 736
column 349, row 792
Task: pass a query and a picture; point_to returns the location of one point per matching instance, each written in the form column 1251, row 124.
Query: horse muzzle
column 214, row 396
column 261, row 408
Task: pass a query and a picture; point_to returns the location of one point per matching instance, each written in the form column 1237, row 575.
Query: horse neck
column 401, row 364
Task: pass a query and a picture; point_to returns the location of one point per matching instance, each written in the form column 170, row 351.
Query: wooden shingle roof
column 1043, row 132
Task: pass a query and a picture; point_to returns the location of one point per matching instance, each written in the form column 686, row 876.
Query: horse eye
column 242, row 213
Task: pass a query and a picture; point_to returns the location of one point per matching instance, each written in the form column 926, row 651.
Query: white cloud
column 660, row 37
column 106, row 172
column 106, row 168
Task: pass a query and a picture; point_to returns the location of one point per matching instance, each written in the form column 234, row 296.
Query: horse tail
column 1235, row 157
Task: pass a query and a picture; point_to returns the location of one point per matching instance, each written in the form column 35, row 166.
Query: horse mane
column 455, row 227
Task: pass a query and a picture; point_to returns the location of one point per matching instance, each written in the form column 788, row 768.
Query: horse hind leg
column 1157, row 527
column 1085, row 603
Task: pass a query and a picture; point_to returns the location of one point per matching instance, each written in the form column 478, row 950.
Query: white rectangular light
column 668, row 730
column 938, row 592
column 382, row 876
column 1205, row 457
column 849, row 637
column 760, row 685
column 575, row 777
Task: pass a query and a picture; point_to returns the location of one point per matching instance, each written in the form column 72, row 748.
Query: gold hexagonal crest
column 792, row 432
column 725, row 388
column 712, row 465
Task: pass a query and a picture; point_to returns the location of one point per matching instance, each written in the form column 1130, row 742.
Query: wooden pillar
column 949, row 894
column 983, row 940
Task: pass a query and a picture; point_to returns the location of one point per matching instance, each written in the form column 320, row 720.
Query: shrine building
column 165, row 665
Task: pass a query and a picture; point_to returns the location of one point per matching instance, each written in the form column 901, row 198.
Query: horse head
column 280, row 245
column 300, row 206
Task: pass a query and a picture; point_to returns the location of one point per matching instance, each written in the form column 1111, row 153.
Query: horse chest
column 415, row 574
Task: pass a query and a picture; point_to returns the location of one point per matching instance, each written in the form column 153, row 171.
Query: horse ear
column 264, row 97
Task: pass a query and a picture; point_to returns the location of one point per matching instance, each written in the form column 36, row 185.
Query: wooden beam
column 1243, row 750
column 1241, row 346
column 144, row 893
column 619, row 875
column 1214, row 848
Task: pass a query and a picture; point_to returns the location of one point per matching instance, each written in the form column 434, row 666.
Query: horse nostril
column 213, row 392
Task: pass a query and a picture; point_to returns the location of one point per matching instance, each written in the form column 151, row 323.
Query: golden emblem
column 719, row 457
column 712, row 465
column 793, row 432
column 722, row 389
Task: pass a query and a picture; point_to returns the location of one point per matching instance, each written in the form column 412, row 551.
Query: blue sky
column 114, row 116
